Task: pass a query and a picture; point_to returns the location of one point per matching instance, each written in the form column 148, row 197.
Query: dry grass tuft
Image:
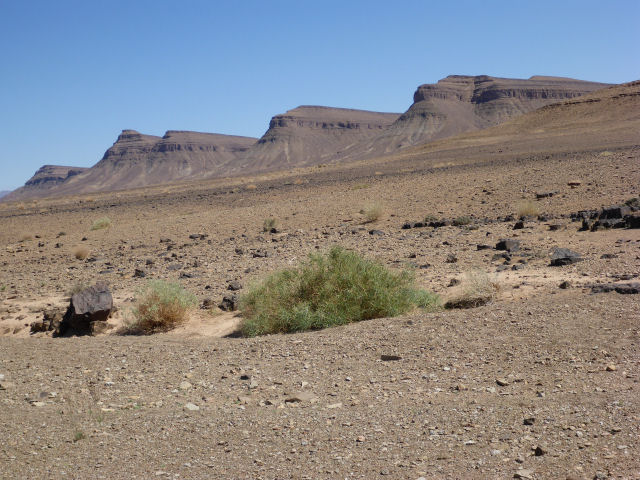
column 81, row 252
column 527, row 208
column 269, row 224
column 477, row 289
column 372, row 212
column 251, row 186
column 161, row 306
column 101, row 223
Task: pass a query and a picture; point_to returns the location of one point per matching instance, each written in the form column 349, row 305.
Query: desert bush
column 161, row 306
column 372, row 212
column 461, row 221
column 429, row 218
column 81, row 252
column 329, row 289
column 476, row 289
column 269, row 224
column 99, row 224
column 527, row 208
column 251, row 186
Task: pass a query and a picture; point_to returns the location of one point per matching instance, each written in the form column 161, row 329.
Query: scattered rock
column 564, row 285
column 539, row 451
column 139, row 273
column 376, row 232
column 508, row 244
column 207, row 304
column 50, row 322
column 301, row 397
column 451, row 258
column 523, row 473
column 93, row 304
column 234, row 286
column 563, row 256
column 529, row 421
column 191, row 407
column 519, row 225
column 229, row 303
column 611, row 368
column 389, row 358
column 502, row 382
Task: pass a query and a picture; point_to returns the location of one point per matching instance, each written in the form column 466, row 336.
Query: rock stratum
column 309, row 135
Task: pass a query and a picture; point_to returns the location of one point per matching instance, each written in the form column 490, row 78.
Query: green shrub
column 99, row 224
column 329, row 289
column 161, row 306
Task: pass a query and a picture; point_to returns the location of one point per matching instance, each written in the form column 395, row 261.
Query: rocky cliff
column 461, row 103
column 45, row 181
column 309, row 135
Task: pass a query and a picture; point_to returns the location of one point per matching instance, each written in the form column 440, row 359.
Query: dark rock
column 564, row 256
column 50, row 322
column 175, row 266
column 187, row 275
column 390, row 358
column 529, row 421
column 564, row 285
column 539, row 451
column 376, row 232
column 545, row 194
column 139, row 273
column 519, row 266
column 453, row 282
column 508, row 244
column 451, row 258
column 543, row 217
column 502, row 268
column 149, row 262
column 500, row 256
column 93, row 304
column 608, row 255
column 260, row 254
column 518, row 225
column 229, row 303
column 632, row 221
column 408, row 225
column 198, row 236
column 628, row 288
column 555, row 227
column 234, row 286
column 615, row 212
column 483, row 247
column 207, row 304
column 239, row 251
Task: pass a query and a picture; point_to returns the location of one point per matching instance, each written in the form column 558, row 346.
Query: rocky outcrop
column 45, row 180
column 88, row 311
column 461, row 103
column 310, row 135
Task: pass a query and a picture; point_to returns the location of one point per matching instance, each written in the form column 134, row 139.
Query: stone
column 529, row 421
column 563, row 256
column 611, row 368
column 502, row 382
column 301, row 397
column 207, row 304
column 564, row 285
column 139, row 273
column 50, row 322
column 191, row 407
column 93, row 304
column 376, row 232
column 508, row 244
column 451, row 258
column 539, row 451
column 519, row 225
column 229, row 303
column 185, row 385
column 617, row 211
column 390, row 358
column 523, row 473
column 234, row 286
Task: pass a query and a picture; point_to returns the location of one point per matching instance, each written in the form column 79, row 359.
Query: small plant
column 329, row 289
column 81, row 252
column 269, row 224
column 461, row 221
column 360, row 186
column 77, row 288
column 527, row 208
column 3, row 288
column 372, row 212
column 101, row 223
column 477, row 289
column 430, row 218
column 161, row 306
column 79, row 435
column 251, row 186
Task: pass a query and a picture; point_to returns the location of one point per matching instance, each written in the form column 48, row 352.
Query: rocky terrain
column 43, row 182
column 313, row 135
column 540, row 383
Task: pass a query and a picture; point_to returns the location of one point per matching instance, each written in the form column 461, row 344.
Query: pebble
column 611, row 368
column 185, row 386
column 192, row 407
column 502, row 382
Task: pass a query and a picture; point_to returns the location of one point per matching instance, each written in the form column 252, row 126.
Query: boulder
column 508, row 244
column 93, row 304
column 50, row 322
column 564, row 256
column 229, row 303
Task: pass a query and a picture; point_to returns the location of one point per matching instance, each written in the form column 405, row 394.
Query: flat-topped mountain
column 460, row 103
column 43, row 182
column 309, row 135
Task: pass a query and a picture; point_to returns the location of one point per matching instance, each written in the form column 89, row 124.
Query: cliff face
column 310, row 135
column 461, row 103
column 46, row 179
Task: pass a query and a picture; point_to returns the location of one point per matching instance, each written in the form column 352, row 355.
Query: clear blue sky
column 75, row 73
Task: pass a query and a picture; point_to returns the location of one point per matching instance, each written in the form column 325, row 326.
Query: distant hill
column 309, row 135
column 4, row 193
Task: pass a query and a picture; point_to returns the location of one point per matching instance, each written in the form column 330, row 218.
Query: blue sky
column 75, row 73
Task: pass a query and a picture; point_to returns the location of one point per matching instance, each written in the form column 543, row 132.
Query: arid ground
column 541, row 383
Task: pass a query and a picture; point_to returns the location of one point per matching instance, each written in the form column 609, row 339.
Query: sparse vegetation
column 360, row 186
column 269, row 224
column 251, row 186
column 372, row 212
column 77, row 288
column 429, row 219
column 81, row 252
column 527, row 208
column 77, row 436
column 475, row 290
column 329, row 289
column 161, row 306
column 461, row 221
column 101, row 223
